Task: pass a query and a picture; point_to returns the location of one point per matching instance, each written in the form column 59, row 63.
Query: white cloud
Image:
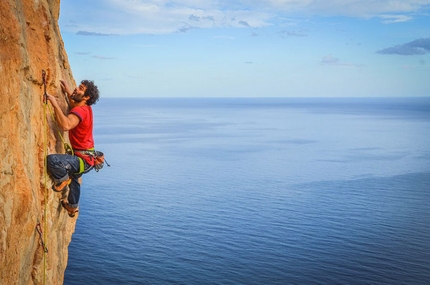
column 351, row 8
column 224, row 37
column 297, row 33
column 334, row 61
column 145, row 46
column 162, row 16
column 389, row 19
column 103, row 57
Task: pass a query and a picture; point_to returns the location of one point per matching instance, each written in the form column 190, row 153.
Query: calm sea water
column 257, row 191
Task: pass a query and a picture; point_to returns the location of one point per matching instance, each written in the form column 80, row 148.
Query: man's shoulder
column 82, row 111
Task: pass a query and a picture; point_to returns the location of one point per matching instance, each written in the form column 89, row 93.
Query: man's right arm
column 66, row 123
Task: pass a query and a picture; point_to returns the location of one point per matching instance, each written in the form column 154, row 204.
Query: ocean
column 256, row 191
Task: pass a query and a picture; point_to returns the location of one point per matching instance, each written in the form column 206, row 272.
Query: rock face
column 30, row 41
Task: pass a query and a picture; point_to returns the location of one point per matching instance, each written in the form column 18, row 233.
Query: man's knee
column 51, row 160
column 55, row 163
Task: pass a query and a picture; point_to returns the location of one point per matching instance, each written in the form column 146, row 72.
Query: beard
column 76, row 98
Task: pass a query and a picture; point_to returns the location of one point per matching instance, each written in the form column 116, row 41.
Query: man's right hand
column 65, row 87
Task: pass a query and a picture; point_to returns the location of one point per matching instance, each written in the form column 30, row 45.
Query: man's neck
column 78, row 104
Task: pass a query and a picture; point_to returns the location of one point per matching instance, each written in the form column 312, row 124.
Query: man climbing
column 66, row 169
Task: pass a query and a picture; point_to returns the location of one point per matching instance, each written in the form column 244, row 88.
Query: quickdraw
column 99, row 160
column 45, row 96
column 39, row 230
column 45, row 147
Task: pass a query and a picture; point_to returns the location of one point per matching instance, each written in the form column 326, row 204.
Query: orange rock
column 30, row 41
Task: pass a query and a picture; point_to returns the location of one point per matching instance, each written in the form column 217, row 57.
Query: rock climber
column 66, row 169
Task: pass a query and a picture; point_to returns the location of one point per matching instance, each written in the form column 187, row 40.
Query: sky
column 250, row 48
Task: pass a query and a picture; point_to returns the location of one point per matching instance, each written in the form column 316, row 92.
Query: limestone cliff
column 30, row 41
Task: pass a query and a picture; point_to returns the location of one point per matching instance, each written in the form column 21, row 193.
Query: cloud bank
column 416, row 47
column 85, row 33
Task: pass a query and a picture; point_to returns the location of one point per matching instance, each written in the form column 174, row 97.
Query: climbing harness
column 98, row 156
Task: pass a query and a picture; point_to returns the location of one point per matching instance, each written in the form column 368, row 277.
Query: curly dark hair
column 91, row 91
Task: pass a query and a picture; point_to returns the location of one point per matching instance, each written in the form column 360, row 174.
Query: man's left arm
column 65, row 88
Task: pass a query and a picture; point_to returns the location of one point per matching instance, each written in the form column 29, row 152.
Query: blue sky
column 266, row 48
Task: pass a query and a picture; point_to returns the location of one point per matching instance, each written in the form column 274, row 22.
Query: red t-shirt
column 81, row 136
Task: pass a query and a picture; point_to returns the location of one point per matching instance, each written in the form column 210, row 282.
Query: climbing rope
column 69, row 150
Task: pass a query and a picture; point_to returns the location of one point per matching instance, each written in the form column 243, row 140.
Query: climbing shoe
column 60, row 186
column 70, row 210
